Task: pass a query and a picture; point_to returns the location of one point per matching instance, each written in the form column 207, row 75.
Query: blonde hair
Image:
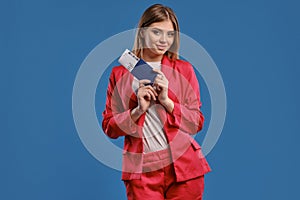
column 157, row 13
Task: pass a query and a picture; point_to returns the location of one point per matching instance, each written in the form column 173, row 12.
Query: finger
column 158, row 88
column 158, row 71
column 143, row 82
column 147, row 96
column 148, row 93
column 152, row 95
column 164, row 82
column 161, row 85
column 159, row 78
column 152, row 89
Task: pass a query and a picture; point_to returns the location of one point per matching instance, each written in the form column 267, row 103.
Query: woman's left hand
column 161, row 84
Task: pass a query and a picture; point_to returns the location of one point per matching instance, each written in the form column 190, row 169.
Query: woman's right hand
column 145, row 94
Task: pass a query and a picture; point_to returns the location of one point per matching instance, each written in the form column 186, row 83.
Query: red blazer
column 185, row 120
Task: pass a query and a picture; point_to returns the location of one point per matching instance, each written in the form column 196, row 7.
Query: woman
column 160, row 160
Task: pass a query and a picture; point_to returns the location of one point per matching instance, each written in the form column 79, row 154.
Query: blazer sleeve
column 186, row 114
column 116, row 119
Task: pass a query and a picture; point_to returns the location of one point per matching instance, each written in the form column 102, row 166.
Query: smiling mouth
column 159, row 47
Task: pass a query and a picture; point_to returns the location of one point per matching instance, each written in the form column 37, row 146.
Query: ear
column 142, row 32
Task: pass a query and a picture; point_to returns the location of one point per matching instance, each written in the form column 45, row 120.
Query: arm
column 116, row 120
column 119, row 121
column 184, row 112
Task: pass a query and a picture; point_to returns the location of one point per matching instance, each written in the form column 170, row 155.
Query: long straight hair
column 157, row 13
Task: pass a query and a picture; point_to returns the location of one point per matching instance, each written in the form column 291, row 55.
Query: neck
column 149, row 56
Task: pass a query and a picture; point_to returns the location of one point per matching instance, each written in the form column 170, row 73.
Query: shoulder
column 185, row 68
column 118, row 71
column 182, row 66
column 177, row 64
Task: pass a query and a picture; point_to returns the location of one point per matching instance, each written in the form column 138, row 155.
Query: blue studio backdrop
column 255, row 45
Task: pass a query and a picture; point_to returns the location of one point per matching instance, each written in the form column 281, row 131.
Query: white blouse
column 154, row 138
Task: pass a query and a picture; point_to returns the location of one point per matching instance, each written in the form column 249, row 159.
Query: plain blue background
column 255, row 45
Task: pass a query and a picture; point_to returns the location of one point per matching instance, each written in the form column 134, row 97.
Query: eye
column 171, row 34
column 156, row 32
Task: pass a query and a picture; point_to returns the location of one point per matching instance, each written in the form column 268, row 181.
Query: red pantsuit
column 184, row 166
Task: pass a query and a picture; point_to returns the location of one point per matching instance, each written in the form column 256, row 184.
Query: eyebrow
column 162, row 29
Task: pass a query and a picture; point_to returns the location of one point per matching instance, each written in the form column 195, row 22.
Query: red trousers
column 158, row 181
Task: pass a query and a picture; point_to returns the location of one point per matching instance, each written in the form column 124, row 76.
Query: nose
column 163, row 38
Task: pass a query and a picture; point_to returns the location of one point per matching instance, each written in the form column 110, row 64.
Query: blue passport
column 137, row 66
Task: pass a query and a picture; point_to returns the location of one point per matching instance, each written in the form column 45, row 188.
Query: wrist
column 168, row 104
column 165, row 101
column 136, row 113
column 139, row 110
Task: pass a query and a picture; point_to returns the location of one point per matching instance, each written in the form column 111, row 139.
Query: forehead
column 166, row 25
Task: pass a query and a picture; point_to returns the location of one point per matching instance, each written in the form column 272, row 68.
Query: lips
column 161, row 47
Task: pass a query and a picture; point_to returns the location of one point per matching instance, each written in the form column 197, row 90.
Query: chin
column 159, row 52
column 156, row 52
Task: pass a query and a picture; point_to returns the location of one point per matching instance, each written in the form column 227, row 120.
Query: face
column 158, row 38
